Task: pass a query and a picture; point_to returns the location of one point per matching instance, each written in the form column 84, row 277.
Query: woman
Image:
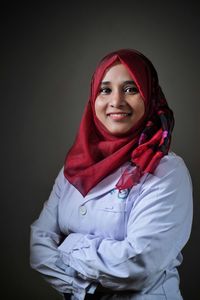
column 120, row 211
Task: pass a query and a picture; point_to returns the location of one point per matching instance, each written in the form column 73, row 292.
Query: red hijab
column 95, row 153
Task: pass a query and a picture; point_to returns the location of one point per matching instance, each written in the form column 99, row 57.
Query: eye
column 105, row 91
column 131, row 90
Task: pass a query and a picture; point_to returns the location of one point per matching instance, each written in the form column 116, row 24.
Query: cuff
column 71, row 242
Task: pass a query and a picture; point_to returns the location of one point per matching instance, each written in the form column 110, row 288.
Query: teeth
column 116, row 115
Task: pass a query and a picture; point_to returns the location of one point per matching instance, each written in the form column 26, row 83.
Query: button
column 83, row 210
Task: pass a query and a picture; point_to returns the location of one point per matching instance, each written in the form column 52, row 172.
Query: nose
column 117, row 99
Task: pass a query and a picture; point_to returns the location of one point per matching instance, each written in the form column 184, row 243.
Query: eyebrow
column 125, row 82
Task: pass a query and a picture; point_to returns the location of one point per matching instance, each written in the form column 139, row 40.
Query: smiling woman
column 120, row 211
column 119, row 105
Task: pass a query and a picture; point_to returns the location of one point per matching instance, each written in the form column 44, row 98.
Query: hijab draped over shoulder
column 95, row 153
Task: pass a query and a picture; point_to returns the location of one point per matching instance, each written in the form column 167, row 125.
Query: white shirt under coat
column 128, row 240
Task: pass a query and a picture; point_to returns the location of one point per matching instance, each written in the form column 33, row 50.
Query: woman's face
column 119, row 105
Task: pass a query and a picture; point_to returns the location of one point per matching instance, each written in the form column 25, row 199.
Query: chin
column 118, row 132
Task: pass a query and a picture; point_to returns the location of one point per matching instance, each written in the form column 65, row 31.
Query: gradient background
column 49, row 52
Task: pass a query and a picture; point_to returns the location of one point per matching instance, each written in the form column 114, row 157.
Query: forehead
column 117, row 73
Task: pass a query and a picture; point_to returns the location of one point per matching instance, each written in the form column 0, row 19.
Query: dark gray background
column 49, row 53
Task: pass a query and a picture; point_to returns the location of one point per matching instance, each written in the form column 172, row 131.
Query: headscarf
column 96, row 153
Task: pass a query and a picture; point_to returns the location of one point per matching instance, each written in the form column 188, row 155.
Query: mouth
column 118, row 116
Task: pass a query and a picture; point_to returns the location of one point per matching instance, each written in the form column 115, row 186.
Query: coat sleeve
column 159, row 226
column 45, row 239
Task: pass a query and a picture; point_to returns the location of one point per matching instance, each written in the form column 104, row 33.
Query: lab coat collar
column 107, row 184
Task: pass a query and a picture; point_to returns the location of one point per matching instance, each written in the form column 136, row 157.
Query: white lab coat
column 128, row 240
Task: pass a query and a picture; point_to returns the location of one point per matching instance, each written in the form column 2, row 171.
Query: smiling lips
column 118, row 116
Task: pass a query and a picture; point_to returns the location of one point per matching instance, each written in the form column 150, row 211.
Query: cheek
column 142, row 108
column 99, row 106
column 96, row 107
column 139, row 106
